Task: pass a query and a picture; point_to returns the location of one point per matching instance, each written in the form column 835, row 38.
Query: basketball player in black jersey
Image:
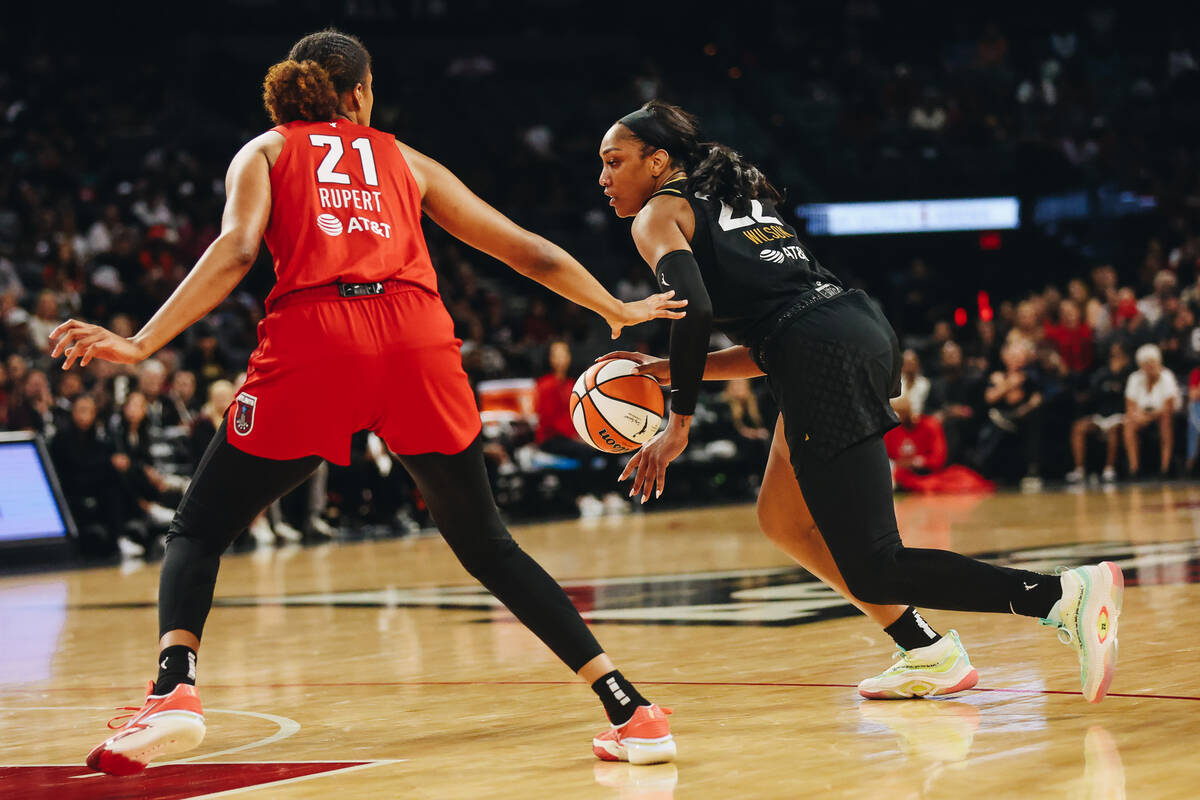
column 706, row 222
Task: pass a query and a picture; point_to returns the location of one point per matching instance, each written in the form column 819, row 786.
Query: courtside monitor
column 33, row 511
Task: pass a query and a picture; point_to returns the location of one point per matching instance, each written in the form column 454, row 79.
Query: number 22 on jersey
column 327, row 170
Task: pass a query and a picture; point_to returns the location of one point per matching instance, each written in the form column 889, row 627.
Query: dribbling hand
column 657, row 368
column 656, row 306
column 82, row 342
column 651, row 462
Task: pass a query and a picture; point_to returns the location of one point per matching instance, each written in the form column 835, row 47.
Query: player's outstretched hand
column 82, row 341
column 656, row 306
column 657, row 368
column 651, row 462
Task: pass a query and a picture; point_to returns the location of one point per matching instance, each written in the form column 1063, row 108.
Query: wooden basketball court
column 379, row 669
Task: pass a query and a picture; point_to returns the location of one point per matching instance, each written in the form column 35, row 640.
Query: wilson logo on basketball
column 610, row 441
column 329, row 224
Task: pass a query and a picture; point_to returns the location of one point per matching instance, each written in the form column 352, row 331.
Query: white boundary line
column 287, row 727
column 230, row 792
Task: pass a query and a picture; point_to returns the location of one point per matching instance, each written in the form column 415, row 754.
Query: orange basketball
column 614, row 410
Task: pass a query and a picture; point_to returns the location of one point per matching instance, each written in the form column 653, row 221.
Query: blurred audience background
column 1057, row 351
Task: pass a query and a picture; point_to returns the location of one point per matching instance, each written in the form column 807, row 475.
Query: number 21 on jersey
column 327, row 170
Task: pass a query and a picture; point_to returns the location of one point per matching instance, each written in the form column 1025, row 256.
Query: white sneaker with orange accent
column 165, row 725
column 644, row 739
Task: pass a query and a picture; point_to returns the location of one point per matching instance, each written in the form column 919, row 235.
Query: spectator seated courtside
column 917, row 449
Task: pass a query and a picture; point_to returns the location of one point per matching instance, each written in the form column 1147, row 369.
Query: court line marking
column 239, row 790
column 760, row 684
column 231, row 792
column 287, row 727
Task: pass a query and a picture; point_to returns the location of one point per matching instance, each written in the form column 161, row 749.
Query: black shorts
column 831, row 371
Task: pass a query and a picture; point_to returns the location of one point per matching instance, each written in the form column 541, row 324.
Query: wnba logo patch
column 243, row 417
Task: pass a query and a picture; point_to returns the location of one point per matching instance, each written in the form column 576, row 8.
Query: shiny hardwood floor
column 378, row 669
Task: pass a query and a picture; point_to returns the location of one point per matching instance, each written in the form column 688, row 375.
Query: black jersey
column 753, row 265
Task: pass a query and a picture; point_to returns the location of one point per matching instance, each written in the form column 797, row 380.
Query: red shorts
column 326, row 369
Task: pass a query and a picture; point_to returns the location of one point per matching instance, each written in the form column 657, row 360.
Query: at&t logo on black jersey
column 787, row 254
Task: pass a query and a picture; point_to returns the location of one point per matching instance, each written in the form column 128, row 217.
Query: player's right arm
column 216, row 274
column 464, row 215
column 729, row 364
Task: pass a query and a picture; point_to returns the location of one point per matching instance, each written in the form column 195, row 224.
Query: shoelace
column 1063, row 633
column 666, row 712
column 132, row 711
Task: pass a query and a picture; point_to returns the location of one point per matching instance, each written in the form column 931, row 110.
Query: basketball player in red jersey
column 355, row 337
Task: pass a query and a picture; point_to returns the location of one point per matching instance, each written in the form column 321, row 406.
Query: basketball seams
column 590, row 407
column 626, row 400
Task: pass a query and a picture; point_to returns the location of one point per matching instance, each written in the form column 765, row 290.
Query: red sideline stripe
column 760, row 684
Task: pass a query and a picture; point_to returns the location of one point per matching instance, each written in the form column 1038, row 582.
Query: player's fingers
column 63, row 328
column 62, row 344
column 661, row 482
column 665, row 314
column 648, row 472
column 68, row 336
column 629, row 468
column 81, row 345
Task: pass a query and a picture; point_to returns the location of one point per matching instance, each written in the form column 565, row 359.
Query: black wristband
column 678, row 270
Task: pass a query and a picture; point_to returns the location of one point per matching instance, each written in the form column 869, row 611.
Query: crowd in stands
column 107, row 199
column 1026, row 393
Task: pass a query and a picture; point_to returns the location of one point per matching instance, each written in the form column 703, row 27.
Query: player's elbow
column 239, row 251
column 534, row 256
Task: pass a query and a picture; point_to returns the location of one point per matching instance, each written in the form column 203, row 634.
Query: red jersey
column 553, row 406
column 344, row 207
column 925, row 438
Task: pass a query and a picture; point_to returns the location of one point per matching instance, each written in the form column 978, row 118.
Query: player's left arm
column 464, row 215
column 216, row 274
column 659, row 235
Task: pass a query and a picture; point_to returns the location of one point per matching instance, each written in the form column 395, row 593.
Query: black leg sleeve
column 459, row 497
column 230, row 488
column 850, row 497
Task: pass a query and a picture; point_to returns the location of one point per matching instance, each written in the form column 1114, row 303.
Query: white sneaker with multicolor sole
column 934, row 670
column 1086, row 618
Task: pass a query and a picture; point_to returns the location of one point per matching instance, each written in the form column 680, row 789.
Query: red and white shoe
column 165, row 725
column 644, row 739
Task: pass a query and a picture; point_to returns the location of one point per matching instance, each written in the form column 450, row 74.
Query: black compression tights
column 850, row 497
column 230, row 488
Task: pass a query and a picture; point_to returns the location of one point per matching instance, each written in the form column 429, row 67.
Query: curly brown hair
column 319, row 68
column 296, row 90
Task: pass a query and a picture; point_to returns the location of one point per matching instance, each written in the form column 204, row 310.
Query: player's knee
column 483, row 555
column 782, row 527
column 876, row 577
column 769, row 520
column 201, row 539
